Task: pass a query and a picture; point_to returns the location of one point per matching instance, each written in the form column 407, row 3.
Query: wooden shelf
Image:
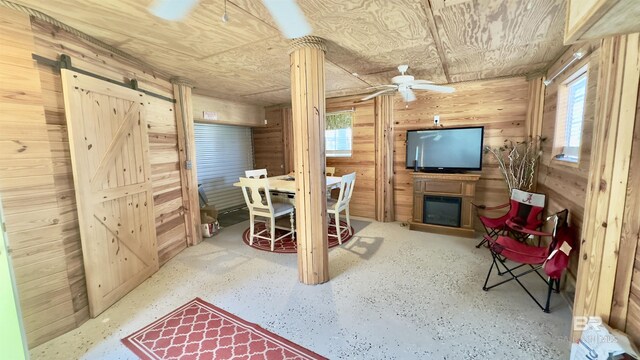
column 461, row 186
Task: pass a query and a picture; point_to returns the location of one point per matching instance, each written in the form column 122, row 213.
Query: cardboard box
column 208, row 211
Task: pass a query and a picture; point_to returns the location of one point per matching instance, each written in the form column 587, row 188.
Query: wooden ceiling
column 246, row 59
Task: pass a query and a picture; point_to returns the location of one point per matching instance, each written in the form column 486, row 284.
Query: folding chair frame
column 492, row 232
column 501, row 261
column 553, row 284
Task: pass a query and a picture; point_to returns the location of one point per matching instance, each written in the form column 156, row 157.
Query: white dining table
column 287, row 184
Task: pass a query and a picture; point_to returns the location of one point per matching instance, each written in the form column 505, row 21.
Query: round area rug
column 287, row 244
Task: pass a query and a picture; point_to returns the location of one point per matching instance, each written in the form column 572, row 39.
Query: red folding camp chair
column 525, row 210
column 512, row 255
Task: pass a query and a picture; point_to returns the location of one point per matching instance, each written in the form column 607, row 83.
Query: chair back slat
column 529, row 198
column 256, row 174
column 252, row 189
column 526, row 208
column 346, row 189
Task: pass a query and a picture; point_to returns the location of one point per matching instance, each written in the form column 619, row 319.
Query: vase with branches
column 518, row 161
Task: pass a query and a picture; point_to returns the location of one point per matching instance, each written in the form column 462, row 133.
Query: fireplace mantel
column 462, row 186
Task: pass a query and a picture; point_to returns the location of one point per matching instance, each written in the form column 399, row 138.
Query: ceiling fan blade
column 408, row 95
column 421, row 82
column 389, row 86
column 289, row 18
column 172, row 9
column 436, row 88
column 377, row 93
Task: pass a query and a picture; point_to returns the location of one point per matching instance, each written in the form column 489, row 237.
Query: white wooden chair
column 336, row 206
column 263, row 207
column 256, row 174
column 330, row 171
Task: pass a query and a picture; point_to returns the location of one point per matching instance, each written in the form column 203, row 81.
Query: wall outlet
column 436, row 119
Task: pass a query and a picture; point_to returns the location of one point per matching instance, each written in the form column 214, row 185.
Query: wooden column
column 187, row 156
column 308, row 114
column 535, row 111
column 535, row 105
column 607, row 198
column 287, row 138
column 384, row 158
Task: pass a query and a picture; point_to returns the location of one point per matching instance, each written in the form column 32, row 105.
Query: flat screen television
column 446, row 149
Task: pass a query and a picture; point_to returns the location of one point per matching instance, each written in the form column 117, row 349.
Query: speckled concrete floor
column 394, row 294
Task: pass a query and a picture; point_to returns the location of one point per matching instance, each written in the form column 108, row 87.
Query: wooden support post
column 535, row 111
column 287, row 138
column 607, row 195
column 308, row 113
column 187, row 155
column 535, row 105
column 384, row 158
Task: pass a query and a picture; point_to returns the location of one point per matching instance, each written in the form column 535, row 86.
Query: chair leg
column 252, row 227
column 551, row 283
column 493, row 263
column 339, row 232
column 293, row 226
column 346, row 211
column 273, row 233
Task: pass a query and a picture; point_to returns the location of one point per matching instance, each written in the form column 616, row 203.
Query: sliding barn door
column 112, row 176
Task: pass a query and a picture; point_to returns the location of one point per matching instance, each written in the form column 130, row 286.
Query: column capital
column 308, row 42
column 178, row 80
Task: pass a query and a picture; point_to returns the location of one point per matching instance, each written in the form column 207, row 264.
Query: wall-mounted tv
column 445, row 149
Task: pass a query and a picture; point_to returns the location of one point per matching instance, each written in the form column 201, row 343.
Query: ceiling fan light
column 172, row 10
column 289, row 18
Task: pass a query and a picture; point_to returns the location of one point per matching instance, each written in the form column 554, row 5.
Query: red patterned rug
column 288, row 245
column 199, row 330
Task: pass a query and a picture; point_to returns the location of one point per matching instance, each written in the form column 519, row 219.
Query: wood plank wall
column 269, row 143
column 39, row 220
column 633, row 222
column 50, row 42
column 500, row 105
column 610, row 230
column 566, row 184
column 227, row 112
column 48, row 255
column 362, row 160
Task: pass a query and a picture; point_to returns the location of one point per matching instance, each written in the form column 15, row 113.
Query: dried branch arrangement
column 518, row 161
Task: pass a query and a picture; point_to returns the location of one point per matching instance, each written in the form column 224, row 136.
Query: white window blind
column 223, row 153
column 576, row 95
column 338, row 134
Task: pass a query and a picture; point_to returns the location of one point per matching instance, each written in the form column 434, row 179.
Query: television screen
column 452, row 149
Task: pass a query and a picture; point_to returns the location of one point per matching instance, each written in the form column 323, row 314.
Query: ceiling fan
column 405, row 84
column 286, row 13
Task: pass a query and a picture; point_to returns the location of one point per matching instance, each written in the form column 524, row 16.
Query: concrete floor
column 232, row 217
column 394, row 294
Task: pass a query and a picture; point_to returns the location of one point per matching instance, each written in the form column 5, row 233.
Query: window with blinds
column 338, row 134
column 570, row 116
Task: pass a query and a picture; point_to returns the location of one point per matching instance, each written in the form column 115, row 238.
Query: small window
column 338, row 135
column 572, row 94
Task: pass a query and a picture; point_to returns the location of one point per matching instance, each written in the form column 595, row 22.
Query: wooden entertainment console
column 445, row 186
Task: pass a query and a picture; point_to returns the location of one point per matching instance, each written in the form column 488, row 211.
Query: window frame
column 340, row 153
column 561, row 133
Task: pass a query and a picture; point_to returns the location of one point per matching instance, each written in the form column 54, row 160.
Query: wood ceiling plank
column 441, row 40
column 489, row 37
column 431, row 24
column 200, row 34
